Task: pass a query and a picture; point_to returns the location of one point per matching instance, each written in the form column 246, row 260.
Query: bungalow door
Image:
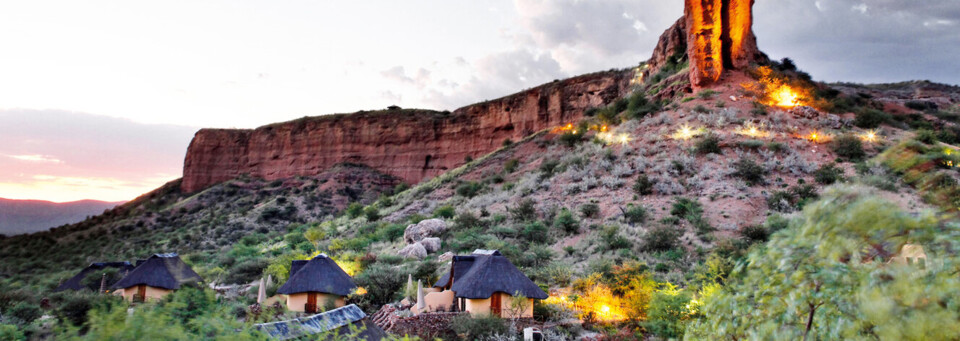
column 495, row 304
column 311, row 306
column 141, row 293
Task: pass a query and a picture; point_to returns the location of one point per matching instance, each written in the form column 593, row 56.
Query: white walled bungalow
column 485, row 283
column 156, row 277
column 316, row 284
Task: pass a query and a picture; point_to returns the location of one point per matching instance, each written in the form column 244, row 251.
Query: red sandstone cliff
column 410, row 144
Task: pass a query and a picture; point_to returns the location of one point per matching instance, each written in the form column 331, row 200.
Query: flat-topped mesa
column 719, row 37
column 410, row 144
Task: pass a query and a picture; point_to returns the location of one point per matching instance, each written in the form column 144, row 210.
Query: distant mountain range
column 28, row 216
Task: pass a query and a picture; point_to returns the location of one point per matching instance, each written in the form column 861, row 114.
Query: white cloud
column 36, row 158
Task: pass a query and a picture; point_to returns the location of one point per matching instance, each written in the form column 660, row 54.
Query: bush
column 371, row 213
column 643, row 186
column 548, row 168
column 11, row 333
column 709, row 144
column 566, row 222
column 382, row 282
column 589, row 210
column 25, row 312
column 571, row 139
column 474, row 327
column 467, row 220
column 781, row 201
column 849, row 147
column 701, row 109
column 469, row 189
column 755, row 233
column 354, row 210
column 612, row 239
column 749, row 171
column 750, row 144
column 535, row 232
column 524, row 211
column 828, row 174
column 445, row 211
column 926, row 136
column 661, row 238
column 246, row 271
column 511, row 165
column 869, row 118
column 635, row 214
column 667, row 315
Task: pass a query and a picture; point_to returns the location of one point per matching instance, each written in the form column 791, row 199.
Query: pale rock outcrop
column 415, row 250
column 432, row 244
column 424, row 229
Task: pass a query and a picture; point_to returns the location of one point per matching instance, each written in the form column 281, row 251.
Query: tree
column 829, row 276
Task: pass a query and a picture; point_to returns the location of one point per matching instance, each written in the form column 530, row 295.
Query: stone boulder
column 415, row 250
column 803, row 111
column 425, row 229
column 432, row 244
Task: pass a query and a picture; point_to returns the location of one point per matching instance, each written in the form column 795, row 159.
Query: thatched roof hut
column 76, row 282
column 482, row 274
column 165, row 271
column 321, row 274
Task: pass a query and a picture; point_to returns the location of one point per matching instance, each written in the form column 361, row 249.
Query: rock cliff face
column 719, row 36
column 411, row 144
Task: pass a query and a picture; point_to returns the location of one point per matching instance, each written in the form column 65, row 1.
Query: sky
column 99, row 99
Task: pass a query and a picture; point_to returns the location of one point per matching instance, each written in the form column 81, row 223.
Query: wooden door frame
column 496, row 304
column 142, row 292
column 312, row 302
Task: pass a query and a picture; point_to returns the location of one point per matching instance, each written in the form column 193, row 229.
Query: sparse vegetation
column 749, row 171
column 848, row 147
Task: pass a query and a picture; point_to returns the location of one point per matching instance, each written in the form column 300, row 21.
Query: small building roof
column 75, row 282
column 337, row 323
column 320, row 274
column 481, row 275
column 165, row 270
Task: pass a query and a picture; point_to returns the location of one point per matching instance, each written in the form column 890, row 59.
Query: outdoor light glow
column 611, row 138
column 685, row 133
column 869, row 136
column 752, row 130
column 815, row 137
column 361, row 291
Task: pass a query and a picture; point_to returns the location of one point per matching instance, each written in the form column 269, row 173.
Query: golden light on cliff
column 785, row 97
column 685, row 133
column 752, row 130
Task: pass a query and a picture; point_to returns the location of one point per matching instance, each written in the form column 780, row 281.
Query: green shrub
column 247, row 271
column 777, row 147
column 709, row 144
column 571, row 139
column 25, row 312
column 524, row 211
column 467, row 220
column 755, row 233
column 566, row 222
column 701, row 109
column 383, row 283
column 635, row 214
column 371, row 213
column 535, row 232
column 548, row 167
column 506, row 143
column 9, row 332
column 661, row 238
column 611, row 237
column 758, row 109
column 511, row 165
column 849, row 147
column 750, row 144
column 469, row 189
column 869, row 118
column 445, row 211
column 478, row 327
column 828, row 174
column 749, row 171
column 926, row 136
column 781, row 201
column 706, row 94
column 639, row 106
column 354, row 210
column 589, row 210
column 667, row 315
column 643, row 186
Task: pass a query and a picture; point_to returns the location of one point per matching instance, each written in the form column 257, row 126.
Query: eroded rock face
column 411, row 144
column 672, row 42
column 424, row 229
column 719, row 36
